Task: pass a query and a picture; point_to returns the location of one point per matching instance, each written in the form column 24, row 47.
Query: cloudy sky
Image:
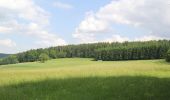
column 28, row 24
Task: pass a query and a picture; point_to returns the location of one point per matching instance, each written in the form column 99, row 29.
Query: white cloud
column 25, row 18
column 51, row 42
column 7, row 43
column 5, row 29
column 116, row 38
column 151, row 15
column 91, row 26
column 62, row 5
column 149, row 37
column 25, row 9
column 85, row 38
column 46, row 39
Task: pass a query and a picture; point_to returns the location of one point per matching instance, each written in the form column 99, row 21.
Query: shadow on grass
column 96, row 88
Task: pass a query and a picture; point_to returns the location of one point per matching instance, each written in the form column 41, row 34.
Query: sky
column 31, row 24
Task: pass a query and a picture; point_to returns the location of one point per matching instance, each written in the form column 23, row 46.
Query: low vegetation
column 84, row 79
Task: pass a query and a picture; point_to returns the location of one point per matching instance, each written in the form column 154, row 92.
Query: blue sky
column 31, row 24
column 64, row 21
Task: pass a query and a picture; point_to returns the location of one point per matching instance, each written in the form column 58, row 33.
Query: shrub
column 43, row 57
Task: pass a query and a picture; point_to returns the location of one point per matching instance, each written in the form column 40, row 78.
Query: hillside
column 2, row 55
column 84, row 79
column 115, row 51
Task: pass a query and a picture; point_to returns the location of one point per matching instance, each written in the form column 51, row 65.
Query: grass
column 84, row 79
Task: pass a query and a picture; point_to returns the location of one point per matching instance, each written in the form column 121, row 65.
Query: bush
column 168, row 56
column 43, row 57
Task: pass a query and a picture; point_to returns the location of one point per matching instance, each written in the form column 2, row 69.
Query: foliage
column 9, row 60
column 138, row 51
column 52, row 53
column 168, row 56
column 106, row 51
column 102, row 51
column 43, row 57
column 61, row 54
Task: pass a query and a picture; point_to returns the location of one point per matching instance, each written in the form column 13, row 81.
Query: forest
column 99, row 51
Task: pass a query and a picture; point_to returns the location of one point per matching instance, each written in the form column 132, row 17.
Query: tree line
column 135, row 51
column 98, row 51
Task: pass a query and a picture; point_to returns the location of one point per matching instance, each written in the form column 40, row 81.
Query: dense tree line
column 101, row 51
column 168, row 56
column 69, row 51
column 12, row 59
column 138, row 51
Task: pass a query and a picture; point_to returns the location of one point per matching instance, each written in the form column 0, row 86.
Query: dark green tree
column 9, row 60
column 168, row 56
column 52, row 53
column 102, row 51
column 61, row 54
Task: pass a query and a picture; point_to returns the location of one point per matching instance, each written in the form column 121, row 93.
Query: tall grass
column 84, row 79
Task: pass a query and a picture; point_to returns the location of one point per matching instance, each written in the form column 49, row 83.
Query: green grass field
column 84, row 79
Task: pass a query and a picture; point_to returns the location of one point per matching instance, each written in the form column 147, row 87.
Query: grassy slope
column 83, row 79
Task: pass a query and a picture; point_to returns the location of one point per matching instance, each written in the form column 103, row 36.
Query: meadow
column 85, row 79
